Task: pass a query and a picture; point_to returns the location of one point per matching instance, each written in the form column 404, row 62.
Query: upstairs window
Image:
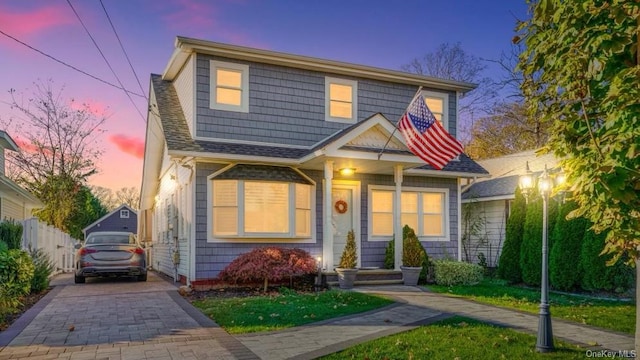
column 341, row 100
column 124, row 214
column 229, row 86
column 438, row 103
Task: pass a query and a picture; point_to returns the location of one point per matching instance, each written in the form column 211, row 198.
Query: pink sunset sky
column 380, row 33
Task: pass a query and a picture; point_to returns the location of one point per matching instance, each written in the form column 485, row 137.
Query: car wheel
column 79, row 279
column 142, row 277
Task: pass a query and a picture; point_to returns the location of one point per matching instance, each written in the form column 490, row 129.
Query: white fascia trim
column 443, row 174
column 247, row 142
column 249, row 159
column 188, row 45
column 491, row 198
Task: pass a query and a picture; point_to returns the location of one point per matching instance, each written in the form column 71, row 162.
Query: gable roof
column 505, row 175
column 117, row 210
column 185, row 46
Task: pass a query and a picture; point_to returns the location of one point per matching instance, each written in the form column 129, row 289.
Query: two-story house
column 248, row 147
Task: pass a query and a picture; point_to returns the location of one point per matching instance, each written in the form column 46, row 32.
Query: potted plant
column 412, row 258
column 348, row 261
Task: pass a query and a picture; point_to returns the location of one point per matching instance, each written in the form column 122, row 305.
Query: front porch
column 367, row 276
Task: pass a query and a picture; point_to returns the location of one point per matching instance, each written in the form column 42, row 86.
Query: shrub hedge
column 566, row 238
column 16, row 273
column 449, row 273
column 509, row 265
column 11, row 234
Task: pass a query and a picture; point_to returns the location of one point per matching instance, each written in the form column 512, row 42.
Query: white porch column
column 397, row 216
column 327, row 229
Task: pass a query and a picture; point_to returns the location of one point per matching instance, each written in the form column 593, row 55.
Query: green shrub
column 43, row 268
column 566, row 237
column 509, row 265
column 11, row 234
column 412, row 251
column 349, row 258
column 596, row 275
column 16, row 273
column 389, row 254
column 450, row 273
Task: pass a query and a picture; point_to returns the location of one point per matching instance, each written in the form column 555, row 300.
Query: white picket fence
column 59, row 245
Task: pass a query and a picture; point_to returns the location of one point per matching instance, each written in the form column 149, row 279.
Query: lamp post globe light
column 544, row 342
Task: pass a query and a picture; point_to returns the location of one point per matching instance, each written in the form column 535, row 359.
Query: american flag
column 426, row 137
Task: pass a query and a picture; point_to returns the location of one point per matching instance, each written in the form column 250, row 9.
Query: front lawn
column 606, row 314
column 289, row 309
column 457, row 338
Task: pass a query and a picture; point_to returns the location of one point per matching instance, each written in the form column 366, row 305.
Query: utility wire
column 105, row 59
column 121, row 46
column 71, row 66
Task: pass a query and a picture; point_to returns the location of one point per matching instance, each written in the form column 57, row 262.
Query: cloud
column 128, row 144
column 26, row 23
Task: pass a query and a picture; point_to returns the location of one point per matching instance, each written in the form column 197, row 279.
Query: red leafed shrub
column 268, row 264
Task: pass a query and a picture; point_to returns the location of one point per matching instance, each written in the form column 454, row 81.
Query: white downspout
column 397, row 215
column 459, row 219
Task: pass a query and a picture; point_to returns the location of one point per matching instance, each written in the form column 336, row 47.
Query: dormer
column 6, row 142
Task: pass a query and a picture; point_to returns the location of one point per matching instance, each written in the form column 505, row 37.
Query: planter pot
column 346, row 277
column 410, row 275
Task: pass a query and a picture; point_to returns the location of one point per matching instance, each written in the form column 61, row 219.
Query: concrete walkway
column 130, row 320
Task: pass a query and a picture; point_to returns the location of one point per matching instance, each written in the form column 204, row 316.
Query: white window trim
column 123, row 212
column 354, row 96
column 446, row 215
column 257, row 237
column 244, row 102
column 445, row 105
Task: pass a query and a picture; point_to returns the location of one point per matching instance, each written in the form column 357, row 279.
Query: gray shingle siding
column 115, row 223
column 212, row 258
column 286, row 106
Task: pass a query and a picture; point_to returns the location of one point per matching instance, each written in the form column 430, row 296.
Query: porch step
column 369, row 282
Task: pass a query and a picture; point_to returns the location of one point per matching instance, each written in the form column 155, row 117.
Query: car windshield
column 121, row 239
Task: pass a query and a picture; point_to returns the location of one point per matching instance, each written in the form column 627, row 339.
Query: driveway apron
column 118, row 319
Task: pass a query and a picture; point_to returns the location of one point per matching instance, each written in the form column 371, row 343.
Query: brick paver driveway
column 117, row 319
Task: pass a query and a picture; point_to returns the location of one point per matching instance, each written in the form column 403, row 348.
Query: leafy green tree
column 586, row 58
column 566, row 237
column 509, row 265
column 87, row 209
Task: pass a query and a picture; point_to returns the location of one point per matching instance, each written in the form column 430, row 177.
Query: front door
column 343, row 217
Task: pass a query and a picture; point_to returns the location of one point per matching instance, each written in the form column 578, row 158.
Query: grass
column 457, row 338
column 266, row 313
column 607, row 314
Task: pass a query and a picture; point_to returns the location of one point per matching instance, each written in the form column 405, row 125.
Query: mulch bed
column 27, row 302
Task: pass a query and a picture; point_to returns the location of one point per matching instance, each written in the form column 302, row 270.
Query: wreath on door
column 341, row 206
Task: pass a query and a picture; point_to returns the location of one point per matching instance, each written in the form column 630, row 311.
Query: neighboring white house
column 15, row 202
column 487, row 201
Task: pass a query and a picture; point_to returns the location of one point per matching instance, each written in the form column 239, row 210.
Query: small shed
column 124, row 218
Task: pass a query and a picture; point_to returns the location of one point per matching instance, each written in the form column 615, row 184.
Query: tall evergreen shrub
column 567, row 236
column 11, row 234
column 509, row 265
column 596, row 275
column 531, row 248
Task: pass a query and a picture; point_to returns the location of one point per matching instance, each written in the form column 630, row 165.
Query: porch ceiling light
column 347, row 171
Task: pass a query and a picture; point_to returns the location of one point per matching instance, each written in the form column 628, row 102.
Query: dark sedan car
column 110, row 253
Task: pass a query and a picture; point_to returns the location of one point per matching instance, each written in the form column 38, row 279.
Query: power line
column 105, row 59
column 121, row 46
column 70, row 66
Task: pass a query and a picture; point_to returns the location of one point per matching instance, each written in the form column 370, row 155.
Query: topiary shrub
column 449, row 273
column 413, row 253
column 268, row 264
column 349, row 258
column 566, row 238
column 596, row 275
column 11, row 234
column 389, row 254
column 43, row 268
column 16, row 273
column 509, row 265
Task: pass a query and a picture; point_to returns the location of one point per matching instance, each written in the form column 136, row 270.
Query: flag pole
column 395, row 127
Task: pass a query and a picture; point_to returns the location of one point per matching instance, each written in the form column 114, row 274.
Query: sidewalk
column 415, row 308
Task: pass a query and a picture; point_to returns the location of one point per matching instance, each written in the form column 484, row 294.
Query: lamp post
column 545, row 185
